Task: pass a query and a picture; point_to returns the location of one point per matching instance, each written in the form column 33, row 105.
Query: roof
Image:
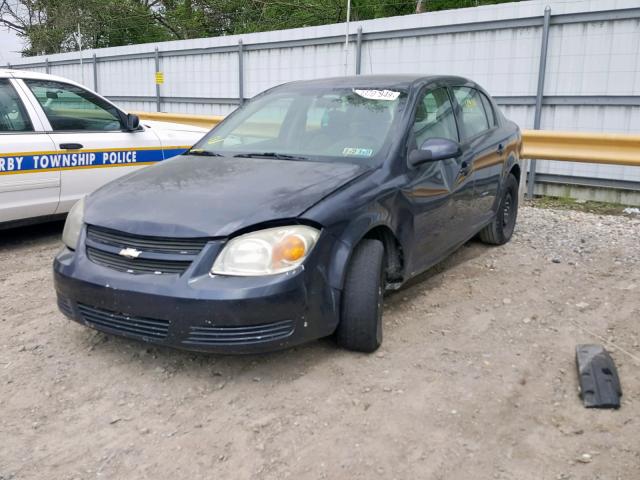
column 10, row 73
column 402, row 81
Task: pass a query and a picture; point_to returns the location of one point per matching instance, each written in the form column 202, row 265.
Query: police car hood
column 173, row 127
column 193, row 196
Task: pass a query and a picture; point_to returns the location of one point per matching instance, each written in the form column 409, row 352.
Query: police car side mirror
column 133, row 122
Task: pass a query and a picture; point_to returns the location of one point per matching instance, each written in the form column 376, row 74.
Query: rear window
column 472, row 115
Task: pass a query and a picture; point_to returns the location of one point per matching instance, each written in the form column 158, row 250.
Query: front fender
column 349, row 238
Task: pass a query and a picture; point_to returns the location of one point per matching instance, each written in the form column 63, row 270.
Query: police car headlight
column 266, row 252
column 73, row 225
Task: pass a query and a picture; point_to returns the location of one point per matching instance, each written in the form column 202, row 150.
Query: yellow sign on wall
column 159, row 78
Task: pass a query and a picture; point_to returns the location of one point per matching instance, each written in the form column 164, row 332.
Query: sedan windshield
column 327, row 124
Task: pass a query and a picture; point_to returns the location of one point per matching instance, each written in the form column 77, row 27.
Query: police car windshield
column 327, row 124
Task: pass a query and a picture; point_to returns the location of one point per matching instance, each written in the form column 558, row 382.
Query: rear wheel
column 500, row 230
column 360, row 327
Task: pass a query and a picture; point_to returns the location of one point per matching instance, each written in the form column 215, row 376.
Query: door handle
column 465, row 167
column 71, row 146
column 500, row 149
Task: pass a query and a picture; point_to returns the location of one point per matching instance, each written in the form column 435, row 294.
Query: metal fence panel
column 592, row 79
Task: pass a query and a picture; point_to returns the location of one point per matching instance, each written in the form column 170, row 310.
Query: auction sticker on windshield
column 378, row 94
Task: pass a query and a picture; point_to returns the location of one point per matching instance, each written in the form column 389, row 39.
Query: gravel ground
column 475, row 380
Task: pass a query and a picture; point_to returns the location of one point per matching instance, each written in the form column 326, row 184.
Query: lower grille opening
column 122, row 324
column 64, row 305
column 219, row 335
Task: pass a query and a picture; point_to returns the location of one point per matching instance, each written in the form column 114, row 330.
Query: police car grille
column 124, row 324
column 220, row 335
column 136, row 265
column 187, row 246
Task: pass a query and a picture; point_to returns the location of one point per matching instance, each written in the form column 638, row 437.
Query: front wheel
column 360, row 326
column 500, row 230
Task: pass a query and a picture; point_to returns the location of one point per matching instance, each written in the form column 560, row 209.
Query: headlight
column 73, row 225
column 266, row 252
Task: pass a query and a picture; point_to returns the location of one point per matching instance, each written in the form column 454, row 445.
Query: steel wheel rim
column 507, row 209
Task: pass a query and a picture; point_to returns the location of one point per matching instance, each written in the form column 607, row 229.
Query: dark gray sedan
column 290, row 219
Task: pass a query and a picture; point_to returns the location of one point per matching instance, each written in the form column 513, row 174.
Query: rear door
column 26, row 190
column 91, row 143
column 483, row 152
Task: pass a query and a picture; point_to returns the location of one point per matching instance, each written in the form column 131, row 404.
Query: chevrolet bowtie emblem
column 130, row 253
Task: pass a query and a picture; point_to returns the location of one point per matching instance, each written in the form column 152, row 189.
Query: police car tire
column 500, row 230
column 360, row 327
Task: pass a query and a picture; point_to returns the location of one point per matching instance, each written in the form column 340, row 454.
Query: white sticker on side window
column 378, row 94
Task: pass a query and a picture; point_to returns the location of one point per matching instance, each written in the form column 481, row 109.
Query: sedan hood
column 193, row 196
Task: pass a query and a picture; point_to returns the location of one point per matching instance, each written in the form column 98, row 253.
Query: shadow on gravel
column 31, row 234
column 281, row 365
column 430, row 279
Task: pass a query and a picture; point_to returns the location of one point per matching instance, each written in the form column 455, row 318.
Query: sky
column 10, row 46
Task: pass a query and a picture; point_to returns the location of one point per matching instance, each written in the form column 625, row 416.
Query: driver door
column 434, row 187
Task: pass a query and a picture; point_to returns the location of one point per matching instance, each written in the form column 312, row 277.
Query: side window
column 434, row 117
column 472, row 116
column 13, row 116
column 488, row 108
column 71, row 108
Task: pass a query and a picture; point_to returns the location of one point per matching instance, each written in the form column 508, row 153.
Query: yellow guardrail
column 607, row 148
column 204, row 121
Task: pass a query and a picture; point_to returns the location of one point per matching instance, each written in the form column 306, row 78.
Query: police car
column 60, row 141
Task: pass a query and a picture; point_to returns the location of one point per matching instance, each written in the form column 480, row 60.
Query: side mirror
column 434, row 149
column 133, row 122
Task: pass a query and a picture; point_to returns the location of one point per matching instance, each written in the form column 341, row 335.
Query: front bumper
column 197, row 311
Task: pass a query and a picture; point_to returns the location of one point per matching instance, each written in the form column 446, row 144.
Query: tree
column 49, row 25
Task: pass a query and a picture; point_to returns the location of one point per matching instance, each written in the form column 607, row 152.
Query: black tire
column 360, row 326
column 500, row 230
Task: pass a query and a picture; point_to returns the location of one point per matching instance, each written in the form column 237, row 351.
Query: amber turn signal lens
column 290, row 249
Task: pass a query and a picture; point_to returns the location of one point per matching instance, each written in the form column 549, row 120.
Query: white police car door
column 89, row 133
column 24, row 191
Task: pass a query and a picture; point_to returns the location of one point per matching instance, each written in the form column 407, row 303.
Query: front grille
column 122, row 324
column 185, row 246
column 136, row 265
column 156, row 255
column 239, row 335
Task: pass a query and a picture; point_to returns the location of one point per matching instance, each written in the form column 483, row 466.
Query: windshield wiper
column 279, row 156
column 203, row 153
